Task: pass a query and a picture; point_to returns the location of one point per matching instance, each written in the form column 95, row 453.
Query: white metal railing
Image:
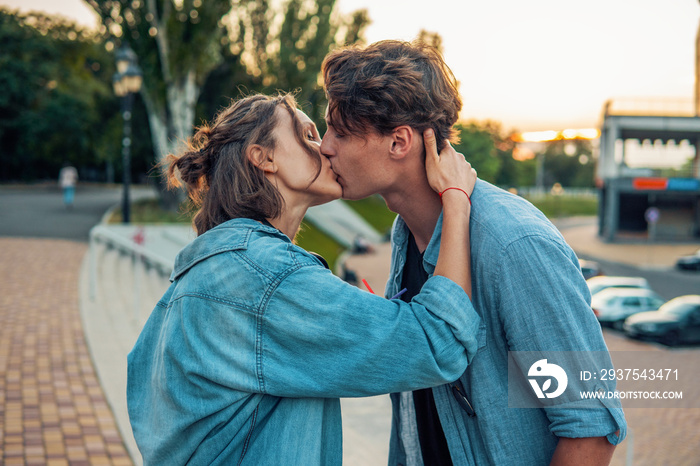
column 102, row 234
column 534, row 191
column 150, row 248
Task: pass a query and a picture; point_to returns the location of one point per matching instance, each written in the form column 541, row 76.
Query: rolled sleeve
column 588, row 422
column 545, row 306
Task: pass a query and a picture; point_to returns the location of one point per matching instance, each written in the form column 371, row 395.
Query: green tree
column 265, row 55
column 180, row 43
column 433, row 39
column 490, row 151
column 569, row 163
column 515, row 173
column 308, row 33
column 478, row 142
column 54, row 97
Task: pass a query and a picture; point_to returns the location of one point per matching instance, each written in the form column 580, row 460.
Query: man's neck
column 419, row 206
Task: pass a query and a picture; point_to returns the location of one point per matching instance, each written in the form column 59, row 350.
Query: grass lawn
column 564, row 206
column 309, row 237
column 375, row 212
column 312, row 239
column 149, row 211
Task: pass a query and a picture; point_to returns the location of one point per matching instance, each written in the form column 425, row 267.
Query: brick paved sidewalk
column 52, row 408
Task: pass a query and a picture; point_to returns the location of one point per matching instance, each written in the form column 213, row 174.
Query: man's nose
column 326, row 149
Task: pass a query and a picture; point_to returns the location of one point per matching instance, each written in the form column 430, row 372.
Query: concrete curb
column 106, row 353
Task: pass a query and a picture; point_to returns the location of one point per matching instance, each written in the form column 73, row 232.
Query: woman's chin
column 329, row 195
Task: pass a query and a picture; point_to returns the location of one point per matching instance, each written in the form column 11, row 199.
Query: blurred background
column 590, row 110
column 537, row 68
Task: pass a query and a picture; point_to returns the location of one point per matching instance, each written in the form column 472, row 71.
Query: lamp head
column 124, row 56
column 133, row 78
column 118, row 85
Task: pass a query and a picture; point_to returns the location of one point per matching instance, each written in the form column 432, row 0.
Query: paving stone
column 48, row 389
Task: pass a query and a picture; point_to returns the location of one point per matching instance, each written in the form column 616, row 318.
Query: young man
column 527, row 284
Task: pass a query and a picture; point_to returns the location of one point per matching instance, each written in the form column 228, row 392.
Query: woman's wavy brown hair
column 220, row 179
column 389, row 84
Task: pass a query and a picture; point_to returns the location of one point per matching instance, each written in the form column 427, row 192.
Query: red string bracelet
column 459, row 189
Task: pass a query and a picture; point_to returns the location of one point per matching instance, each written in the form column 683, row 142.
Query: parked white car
column 613, row 305
column 597, row 284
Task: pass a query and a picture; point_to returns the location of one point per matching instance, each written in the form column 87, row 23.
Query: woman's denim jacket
column 244, row 358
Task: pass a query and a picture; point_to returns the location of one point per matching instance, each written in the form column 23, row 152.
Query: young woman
column 245, row 357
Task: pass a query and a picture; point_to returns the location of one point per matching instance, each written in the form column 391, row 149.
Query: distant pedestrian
column 67, row 179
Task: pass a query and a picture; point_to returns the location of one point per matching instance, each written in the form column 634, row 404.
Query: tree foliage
column 56, row 99
column 477, row 141
column 177, row 44
column 569, row 163
column 182, row 43
column 271, row 50
column 490, row 151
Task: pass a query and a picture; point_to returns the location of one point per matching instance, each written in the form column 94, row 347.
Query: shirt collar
column 430, row 256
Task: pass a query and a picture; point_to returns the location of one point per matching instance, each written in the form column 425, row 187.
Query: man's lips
column 337, row 176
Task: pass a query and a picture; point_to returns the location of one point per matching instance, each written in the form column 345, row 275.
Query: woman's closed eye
column 312, row 136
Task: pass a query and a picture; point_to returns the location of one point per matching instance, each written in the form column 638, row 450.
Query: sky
column 535, row 65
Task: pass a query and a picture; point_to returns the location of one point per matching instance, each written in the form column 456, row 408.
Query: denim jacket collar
column 218, row 240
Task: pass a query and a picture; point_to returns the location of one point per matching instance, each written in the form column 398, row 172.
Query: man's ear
column 401, row 141
column 261, row 158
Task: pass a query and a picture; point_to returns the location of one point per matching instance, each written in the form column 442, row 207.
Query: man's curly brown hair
column 389, row 84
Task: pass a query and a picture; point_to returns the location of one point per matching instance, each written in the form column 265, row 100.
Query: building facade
column 650, row 203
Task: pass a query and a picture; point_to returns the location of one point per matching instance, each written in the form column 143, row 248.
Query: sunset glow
column 566, row 134
column 509, row 66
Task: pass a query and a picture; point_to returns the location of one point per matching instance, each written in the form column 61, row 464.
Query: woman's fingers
column 447, row 169
column 432, row 160
column 430, row 145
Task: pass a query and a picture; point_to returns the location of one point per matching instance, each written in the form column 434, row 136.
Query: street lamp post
column 127, row 82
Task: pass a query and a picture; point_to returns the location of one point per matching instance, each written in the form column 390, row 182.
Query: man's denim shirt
column 244, row 358
column 530, row 293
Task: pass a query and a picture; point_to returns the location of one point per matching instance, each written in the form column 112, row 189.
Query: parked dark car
column 589, row 269
column 677, row 321
column 689, row 262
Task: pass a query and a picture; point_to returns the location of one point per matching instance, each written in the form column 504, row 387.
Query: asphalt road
column 38, row 211
column 669, row 283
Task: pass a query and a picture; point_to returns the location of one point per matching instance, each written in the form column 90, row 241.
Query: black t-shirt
column 432, row 438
